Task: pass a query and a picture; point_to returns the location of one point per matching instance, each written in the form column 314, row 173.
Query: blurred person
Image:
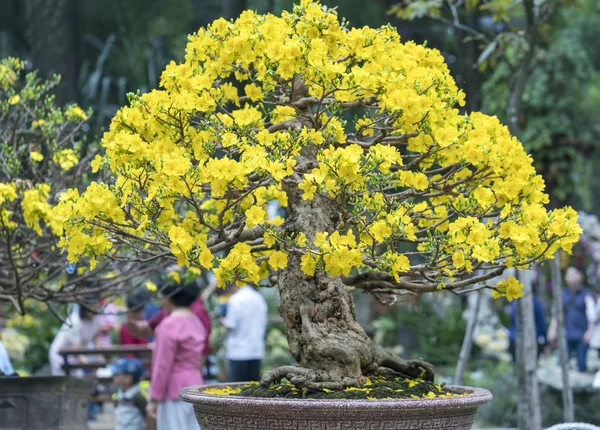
column 579, row 319
column 541, row 328
column 130, row 403
column 136, row 310
column 246, row 323
column 145, row 329
column 6, row 368
column 595, row 316
column 179, row 345
column 81, row 328
column 109, row 323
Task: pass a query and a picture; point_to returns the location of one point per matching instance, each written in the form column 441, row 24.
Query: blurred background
column 104, row 49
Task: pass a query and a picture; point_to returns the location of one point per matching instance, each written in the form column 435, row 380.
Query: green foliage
column 411, row 10
column 30, row 122
column 439, row 332
column 439, row 329
column 39, row 327
column 277, row 348
column 357, row 12
column 557, row 111
column 499, row 378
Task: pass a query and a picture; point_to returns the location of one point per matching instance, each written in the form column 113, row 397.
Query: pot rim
column 475, row 398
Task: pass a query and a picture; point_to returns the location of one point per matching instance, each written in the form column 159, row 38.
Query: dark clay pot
column 245, row 413
column 43, row 403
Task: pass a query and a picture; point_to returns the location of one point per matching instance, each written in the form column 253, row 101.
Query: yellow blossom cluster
column 511, row 289
column 33, row 173
column 259, row 109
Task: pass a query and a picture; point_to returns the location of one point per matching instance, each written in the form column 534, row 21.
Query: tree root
column 411, row 368
column 306, row 379
column 388, row 365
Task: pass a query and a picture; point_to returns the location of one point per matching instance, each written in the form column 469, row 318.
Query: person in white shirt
column 246, row 323
column 6, row 368
column 81, row 328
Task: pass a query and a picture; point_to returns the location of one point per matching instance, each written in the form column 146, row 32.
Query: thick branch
column 371, row 280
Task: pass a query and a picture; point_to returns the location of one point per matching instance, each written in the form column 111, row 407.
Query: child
column 130, row 403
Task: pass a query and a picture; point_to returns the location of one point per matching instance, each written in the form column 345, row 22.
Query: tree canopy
column 302, row 107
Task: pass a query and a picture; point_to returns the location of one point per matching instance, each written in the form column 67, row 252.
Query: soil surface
column 377, row 388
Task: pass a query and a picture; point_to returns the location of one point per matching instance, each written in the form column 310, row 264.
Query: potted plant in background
column 388, row 188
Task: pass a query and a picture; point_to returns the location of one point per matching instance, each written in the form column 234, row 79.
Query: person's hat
column 128, row 366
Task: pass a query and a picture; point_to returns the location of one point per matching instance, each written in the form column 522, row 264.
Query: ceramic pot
column 245, row 413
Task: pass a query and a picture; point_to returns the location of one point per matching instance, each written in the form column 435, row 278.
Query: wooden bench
column 142, row 352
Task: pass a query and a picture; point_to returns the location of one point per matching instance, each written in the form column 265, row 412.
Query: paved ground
column 106, row 420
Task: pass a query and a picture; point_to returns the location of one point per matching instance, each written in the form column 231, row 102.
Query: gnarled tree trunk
column 319, row 311
column 331, row 348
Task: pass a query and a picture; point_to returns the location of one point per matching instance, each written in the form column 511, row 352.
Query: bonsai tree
column 42, row 153
column 388, row 187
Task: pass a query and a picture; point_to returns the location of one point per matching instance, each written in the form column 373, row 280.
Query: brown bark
column 530, row 417
column 53, row 32
column 467, row 345
column 331, row 348
column 561, row 338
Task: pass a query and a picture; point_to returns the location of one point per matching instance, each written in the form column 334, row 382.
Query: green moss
column 374, row 389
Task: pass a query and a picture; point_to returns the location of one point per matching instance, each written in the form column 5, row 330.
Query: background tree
column 40, row 146
column 55, row 43
column 388, row 188
column 529, row 68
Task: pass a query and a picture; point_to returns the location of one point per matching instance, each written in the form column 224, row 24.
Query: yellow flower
column 175, row 276
column 278, row 260
column 254, row 92
column 255, row 216
column 96, row 162
column 301, row 239
column 36, row 156
column 76, row 113
column 511, row 289
column 308, row 264
column 514, row 289
column 14, row 99
column 66, row 159
column 151, row 286
column 458, row 259
column 206, row 258
column 181, row 244
column 269, row 239
column 401, row 265
column 309, row 190
column 225, row 391
column 380, row 230
column 175, row 165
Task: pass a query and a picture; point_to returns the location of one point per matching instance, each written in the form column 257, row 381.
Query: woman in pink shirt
column 180, row 341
